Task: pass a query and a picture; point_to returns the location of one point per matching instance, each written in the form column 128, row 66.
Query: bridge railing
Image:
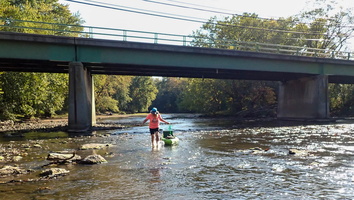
column 26, row 26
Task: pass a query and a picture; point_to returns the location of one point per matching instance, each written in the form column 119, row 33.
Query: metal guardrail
column 164, row 38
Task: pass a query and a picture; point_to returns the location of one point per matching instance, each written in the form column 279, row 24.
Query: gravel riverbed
column 55, row 124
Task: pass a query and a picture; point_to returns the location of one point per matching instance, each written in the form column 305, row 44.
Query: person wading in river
column 154, row 124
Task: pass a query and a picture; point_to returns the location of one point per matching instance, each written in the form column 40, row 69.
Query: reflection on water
column 210, row 162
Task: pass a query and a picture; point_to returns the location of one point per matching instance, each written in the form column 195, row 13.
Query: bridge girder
column 41, row 53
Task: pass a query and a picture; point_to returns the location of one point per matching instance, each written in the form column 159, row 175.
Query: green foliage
column 246, row 28
column 143, row 91
column 20, row 14
column 1, row 92
column 122, row 93
column 111, row 92
column 200, row 96
column 56, row 93
column 170, row 93
column 107, row 104
column 35, row 94
column 324, row 27
column 341, row 98
column 227, row 96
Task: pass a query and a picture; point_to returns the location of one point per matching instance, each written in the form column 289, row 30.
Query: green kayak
column 170, row 141
column 169, row 138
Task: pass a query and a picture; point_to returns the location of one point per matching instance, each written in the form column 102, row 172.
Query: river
column 215, row 159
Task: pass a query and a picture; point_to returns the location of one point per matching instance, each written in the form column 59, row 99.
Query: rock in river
column 93, row 159
column 93, row 146
column 298, row 152
column 10, row 170
column 53, row 172
column 63, row 157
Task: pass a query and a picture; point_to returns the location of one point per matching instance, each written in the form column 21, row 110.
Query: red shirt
column 154, row 120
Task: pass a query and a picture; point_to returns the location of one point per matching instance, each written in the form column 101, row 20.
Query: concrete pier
column 81, row 98
column 305, row 98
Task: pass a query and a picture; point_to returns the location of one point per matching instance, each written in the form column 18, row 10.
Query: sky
column 120, row 18
column 104, row 17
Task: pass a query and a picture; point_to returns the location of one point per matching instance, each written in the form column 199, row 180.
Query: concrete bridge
column 303, row 80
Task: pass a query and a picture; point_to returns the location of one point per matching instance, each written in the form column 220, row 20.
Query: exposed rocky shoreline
column 51, row 125
column 22, row 126
column 11, row 171
column 13, row 153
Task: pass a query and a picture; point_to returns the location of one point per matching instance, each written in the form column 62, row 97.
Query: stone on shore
column 93, row 159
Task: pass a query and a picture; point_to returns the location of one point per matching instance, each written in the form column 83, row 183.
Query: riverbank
column 59, row 124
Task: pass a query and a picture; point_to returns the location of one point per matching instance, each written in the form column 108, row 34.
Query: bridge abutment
column 305, row 98
column 81, row 98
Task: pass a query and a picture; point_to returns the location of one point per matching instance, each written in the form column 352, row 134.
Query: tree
column 227, row 96
column 341, row 99
column 332, row 21
column 111, row 92
column 40, row 17
column 201, row 95
column 324, row 27
column 170, row 93
column 228, row 32
column 35, row 94
column 32, row 94
column 143, row 91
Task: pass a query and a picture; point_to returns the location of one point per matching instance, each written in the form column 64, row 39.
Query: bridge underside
column 25, row 65
column 301, row 96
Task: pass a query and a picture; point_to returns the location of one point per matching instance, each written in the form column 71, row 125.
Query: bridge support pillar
column 305, row 98
column 81, row 98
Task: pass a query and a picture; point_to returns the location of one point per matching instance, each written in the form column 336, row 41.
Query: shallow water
column 210, row 162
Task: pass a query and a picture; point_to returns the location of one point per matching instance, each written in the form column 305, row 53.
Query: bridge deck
column 42, row 53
